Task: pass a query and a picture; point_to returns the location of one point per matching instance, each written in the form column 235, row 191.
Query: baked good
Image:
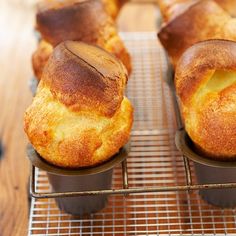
column 228, row 5
column 205, row 82
column 113, row 7
column 85, row 21
column 201, row 21
column 40, row 57
column 79, row 116
column 171, row 8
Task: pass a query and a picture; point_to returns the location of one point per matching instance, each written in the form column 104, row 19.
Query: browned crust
column 217, row 126
column 199, row 61
column 203, row 20
column 209, row 120
column 228, row 5
column 114, row 46
column 113, row 7
column 77, row 20
column 79, row 116
column 40, row 58
column 85, row 77
column 171, row 8
column 79, row 144
column 82, row 145
column 85, row 21
column 88, row 143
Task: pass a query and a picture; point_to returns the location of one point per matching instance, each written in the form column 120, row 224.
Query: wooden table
column 17, row 43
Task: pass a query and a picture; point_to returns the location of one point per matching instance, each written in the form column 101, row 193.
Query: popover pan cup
column 209, row 171
column 84, row 179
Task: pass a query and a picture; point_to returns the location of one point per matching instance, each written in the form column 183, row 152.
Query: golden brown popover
column 228, row 5
column 85, row 21
column 40, row 57
column 80, row 116
column 113, row 7
column 201, row 21
column 171, row 8
column 205, row 81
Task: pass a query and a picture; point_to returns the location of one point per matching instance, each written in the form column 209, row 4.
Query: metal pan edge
column 40, row 163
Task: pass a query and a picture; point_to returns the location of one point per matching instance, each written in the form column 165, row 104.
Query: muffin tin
column 183, row 143
column 156, row 170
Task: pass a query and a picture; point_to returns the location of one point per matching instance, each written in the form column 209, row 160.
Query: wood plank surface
column 17, row 43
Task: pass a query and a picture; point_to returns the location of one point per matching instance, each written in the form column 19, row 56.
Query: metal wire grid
column 153, row 161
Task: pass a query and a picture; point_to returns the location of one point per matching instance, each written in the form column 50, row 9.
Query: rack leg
column 125, row 175
column 187, row 171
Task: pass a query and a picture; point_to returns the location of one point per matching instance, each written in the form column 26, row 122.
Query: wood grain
column 17, row 43
column 16, row 46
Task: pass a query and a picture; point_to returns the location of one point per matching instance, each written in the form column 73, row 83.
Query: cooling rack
column 153, row 164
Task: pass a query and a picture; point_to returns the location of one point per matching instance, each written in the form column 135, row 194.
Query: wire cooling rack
column 153, row 161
